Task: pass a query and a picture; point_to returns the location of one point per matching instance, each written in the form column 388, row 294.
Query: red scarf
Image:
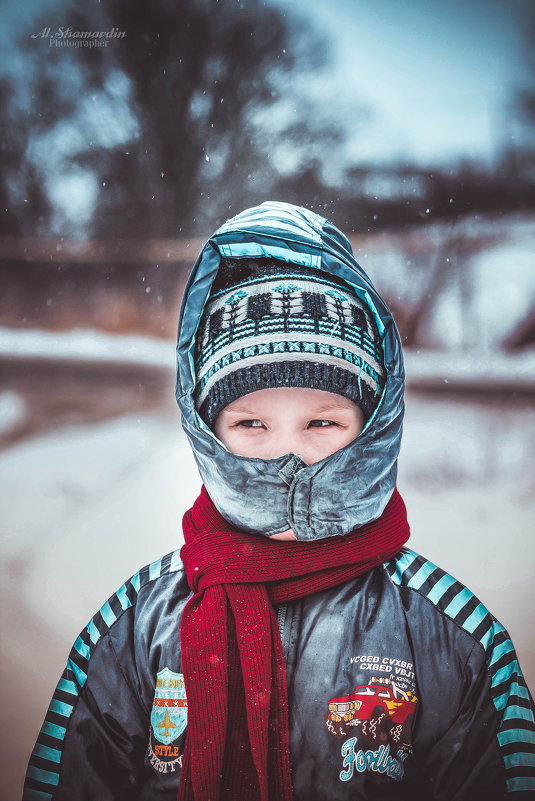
column 237, row 742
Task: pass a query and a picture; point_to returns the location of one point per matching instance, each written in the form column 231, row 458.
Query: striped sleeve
column 510, row 696
column 44, row 771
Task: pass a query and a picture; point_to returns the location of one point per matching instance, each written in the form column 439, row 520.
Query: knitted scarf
column 237, row 742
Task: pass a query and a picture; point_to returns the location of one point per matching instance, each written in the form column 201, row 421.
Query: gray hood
column 347, row 489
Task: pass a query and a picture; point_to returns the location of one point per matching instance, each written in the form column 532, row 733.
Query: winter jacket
column 400, row 683
column 401, row 686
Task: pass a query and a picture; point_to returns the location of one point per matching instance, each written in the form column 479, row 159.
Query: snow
column 487, row 269
column 105, row 500
column 86, row 345
column 470, row 369
column 13, row 410
column 501, row 295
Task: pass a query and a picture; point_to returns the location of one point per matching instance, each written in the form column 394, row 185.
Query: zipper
column 286, row 619
column 281, row 619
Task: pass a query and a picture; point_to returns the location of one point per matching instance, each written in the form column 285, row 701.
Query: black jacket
column 401, row 686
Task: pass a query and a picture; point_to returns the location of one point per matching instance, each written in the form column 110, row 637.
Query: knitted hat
column 268, row 324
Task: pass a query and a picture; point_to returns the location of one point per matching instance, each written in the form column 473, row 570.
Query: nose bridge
column 289, row 440
column 294, row 445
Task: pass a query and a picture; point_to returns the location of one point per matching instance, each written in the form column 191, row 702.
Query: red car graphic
column 376, row 709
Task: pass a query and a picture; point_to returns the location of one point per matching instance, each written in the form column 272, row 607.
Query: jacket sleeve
column 488, row 750
column 92, row 742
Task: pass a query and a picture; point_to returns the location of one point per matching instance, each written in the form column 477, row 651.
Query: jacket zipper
column 281, row 619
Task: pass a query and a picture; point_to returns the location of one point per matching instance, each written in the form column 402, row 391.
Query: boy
column 334, row 664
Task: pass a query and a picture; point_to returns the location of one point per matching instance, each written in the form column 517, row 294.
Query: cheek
column 327, row 442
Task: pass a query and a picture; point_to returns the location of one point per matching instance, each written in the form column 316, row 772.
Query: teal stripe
column 107, row 614
column 460, row 601
column 272, row 226
column 516, row 736
column 79, row 674
column 94, row 633
column 488, row 637
column 45, row 752
column 514, row 712
column 60, row 707
column 520, row 783
column 68, row 686
column 440, row 588
column 402, row 564
column 515, row 689
column 505, row 673
column 176, row 561
column 35, row 795
column 45, row 776
column 519, row 760
column 53, row 730
column 135, row 581
column 500, row 650
column 124, row 600
column 276, row 218
column 479, row 613
column 82, row 648
column 155, row 569
column 422, row 575
column 236, row 251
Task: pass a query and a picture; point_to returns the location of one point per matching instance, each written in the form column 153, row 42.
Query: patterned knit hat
column 268, row 324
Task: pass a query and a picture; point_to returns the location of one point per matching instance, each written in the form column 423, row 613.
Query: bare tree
column 174, row 143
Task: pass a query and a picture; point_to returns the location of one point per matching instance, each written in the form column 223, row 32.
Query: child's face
column 271, row 422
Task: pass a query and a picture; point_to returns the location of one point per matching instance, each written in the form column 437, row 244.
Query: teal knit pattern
column 287, row 327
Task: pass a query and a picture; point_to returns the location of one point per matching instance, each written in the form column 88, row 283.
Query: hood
column 265, row 496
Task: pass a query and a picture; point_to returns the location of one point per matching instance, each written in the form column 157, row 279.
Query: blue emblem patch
column 169, row 714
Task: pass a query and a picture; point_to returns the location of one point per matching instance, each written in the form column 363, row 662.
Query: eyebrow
column 327, row 407
column 239, row 410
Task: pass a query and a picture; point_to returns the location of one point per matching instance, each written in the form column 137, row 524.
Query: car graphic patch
column 168, row 720
column 375, row 720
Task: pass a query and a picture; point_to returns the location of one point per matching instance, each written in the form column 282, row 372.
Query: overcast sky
column 438, row 77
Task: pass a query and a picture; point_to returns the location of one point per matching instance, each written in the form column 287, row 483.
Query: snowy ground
column 86, row 506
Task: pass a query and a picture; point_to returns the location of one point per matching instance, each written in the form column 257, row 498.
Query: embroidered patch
column 168, row 720
column 377, row 719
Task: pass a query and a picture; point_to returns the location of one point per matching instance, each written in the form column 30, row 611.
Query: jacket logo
column 169, row 714
column 168, row 720
column 380, row 711
column 378, row 714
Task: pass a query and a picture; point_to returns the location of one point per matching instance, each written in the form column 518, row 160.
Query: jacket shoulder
column 141, row 588
column 447, row 595
column 126, row 597
column 510, row 696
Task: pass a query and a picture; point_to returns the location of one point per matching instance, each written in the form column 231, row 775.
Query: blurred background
column 130, row 131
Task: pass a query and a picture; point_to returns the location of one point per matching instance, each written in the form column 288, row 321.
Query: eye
column 250, row 423
column 321, row 423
